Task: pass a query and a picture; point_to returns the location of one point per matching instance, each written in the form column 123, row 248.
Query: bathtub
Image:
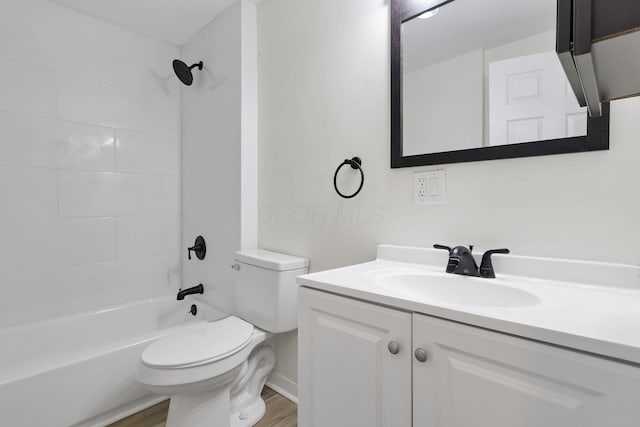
column 79, row 370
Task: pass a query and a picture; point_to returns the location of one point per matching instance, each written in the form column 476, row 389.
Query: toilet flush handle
column 236, row 267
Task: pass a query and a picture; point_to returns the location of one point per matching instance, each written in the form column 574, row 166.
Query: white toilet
column 214, row 372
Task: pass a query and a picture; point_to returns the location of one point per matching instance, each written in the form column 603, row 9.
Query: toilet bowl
column 214, row 372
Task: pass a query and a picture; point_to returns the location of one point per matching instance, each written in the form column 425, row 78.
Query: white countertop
column 574, row 310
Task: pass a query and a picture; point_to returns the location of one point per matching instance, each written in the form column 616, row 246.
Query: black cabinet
column 598, row 43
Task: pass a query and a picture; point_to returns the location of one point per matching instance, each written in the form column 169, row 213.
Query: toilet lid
column 205, row 342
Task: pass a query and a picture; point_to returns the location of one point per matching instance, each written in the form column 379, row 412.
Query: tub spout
column 190, row 291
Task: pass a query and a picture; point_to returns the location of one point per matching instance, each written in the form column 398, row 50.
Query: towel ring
column 355, row 163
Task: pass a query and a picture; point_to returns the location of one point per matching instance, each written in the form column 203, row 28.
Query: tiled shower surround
column 89, row 164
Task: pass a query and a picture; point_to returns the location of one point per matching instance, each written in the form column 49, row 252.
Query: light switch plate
column 429, row 187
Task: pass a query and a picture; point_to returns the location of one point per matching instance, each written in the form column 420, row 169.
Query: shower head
column 183, row 71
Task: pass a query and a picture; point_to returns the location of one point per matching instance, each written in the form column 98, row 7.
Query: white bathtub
column 80, row 370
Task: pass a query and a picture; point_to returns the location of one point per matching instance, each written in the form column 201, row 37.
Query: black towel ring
column 355, row 163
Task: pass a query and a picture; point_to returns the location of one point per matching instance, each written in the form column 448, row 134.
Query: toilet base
column 249, row 415
column 212, row 408
column 204, row 409
column 247, row 406
column 231, row 399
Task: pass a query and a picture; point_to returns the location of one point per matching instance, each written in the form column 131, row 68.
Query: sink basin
column 452, row 289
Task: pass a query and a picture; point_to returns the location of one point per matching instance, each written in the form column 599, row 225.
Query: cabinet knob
column 393, row 347
column 421, row 355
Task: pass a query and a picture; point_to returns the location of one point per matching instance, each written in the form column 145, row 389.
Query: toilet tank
column 266, row 289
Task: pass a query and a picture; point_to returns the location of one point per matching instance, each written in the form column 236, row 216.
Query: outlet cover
column 429, row 187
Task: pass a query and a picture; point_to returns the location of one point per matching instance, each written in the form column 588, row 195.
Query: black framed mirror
column 479, row 80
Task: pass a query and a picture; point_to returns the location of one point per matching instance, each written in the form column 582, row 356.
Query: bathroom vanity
column 398, row 342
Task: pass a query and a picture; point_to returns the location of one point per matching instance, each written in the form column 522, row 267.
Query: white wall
column 324, row 96
column 219, row 157
column 437, row 98
column 89, row 163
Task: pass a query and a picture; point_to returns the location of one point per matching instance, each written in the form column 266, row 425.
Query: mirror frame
column 597, row 137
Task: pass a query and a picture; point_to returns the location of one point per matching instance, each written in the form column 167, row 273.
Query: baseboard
column 283, row 386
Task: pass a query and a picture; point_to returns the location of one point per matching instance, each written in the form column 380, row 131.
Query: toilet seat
column 199, row 345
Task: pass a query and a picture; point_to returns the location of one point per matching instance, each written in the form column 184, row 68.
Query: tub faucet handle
column 199, row 247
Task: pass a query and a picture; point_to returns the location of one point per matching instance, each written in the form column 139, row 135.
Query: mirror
column 480, row 79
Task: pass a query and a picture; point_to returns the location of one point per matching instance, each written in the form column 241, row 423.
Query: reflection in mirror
column 483, row 73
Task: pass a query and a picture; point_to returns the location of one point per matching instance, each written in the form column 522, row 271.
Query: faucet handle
column 497, row 251
column 486, row 266
column 446, row 248
column 199, row 247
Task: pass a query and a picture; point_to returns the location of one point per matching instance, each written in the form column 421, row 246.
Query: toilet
column 214, row 372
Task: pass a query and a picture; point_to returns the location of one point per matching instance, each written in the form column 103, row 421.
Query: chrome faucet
column 461, row 261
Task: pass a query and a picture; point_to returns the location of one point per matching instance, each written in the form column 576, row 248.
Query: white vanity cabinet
column 466, row 376
column 475, row 377
column 348, row 374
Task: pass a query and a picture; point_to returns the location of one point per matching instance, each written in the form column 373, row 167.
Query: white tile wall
column 83, row 287
column 145, row 152
column 172, row 196
column 27, row 192
column 26, row 89
column 219, row 151
column 88, row 194
column 89, row 164
column 50, row 243
column 50, row 143
column 146, row 236
column 142, row 108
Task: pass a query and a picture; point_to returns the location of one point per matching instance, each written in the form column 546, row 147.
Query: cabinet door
column 347, row 374
column 473, row 377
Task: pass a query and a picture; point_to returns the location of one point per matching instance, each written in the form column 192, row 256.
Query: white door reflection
column 530, row 100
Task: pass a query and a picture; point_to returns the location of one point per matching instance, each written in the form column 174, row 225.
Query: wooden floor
column 280, row 413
